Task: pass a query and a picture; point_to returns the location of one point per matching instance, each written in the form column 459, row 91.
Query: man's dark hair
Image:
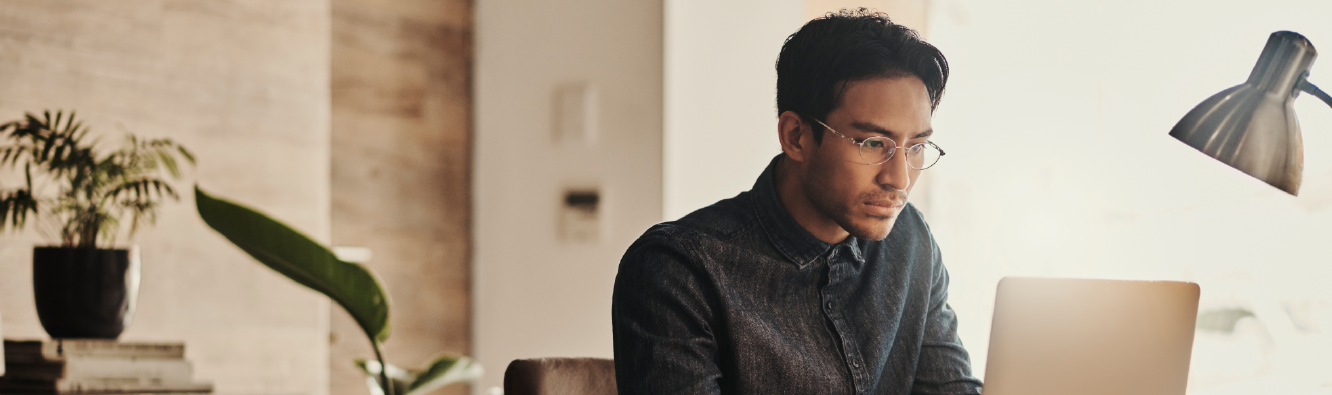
column 818, row 61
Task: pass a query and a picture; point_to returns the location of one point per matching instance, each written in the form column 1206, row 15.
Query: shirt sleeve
column 663, row 321
column 945, row 367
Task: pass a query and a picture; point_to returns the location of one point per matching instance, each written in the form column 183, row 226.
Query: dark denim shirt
column 738, row 298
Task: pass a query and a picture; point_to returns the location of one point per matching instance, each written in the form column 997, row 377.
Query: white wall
column 537, row 296
column 1059, row 164
column 909, row 13
column 721, row 96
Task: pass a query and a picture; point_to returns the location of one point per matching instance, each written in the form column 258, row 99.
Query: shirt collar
column 792, row 240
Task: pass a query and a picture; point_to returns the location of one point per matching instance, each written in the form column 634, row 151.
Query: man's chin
column 872, row 228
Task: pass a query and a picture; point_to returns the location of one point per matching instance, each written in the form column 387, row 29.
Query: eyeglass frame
column 891, row 154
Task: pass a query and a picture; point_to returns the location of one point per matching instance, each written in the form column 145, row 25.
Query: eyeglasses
column 878, row 149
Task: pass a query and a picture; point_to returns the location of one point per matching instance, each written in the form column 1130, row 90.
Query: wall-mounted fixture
column 580, row 216
column 576, row 114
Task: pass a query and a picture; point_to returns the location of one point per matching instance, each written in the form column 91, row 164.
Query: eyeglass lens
column 877, row 150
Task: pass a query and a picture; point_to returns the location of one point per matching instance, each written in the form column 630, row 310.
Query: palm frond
column 15, row 206
column 95, row 190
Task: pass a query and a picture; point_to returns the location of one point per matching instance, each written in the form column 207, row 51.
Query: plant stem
column 383, row 369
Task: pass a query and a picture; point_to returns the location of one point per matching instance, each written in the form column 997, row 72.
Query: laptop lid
column 1091, row 337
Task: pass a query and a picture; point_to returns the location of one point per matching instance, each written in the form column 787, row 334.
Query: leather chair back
column 560, row 376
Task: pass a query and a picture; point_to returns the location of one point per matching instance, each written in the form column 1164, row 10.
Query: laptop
column 1054, row 336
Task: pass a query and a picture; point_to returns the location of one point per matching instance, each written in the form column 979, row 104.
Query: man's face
column 866, row 199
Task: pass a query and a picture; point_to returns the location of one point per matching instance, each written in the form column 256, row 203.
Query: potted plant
column 350, row 285
column 83, row 288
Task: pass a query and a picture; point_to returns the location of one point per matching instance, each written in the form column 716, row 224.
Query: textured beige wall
column 401, row 90
column 244, row 83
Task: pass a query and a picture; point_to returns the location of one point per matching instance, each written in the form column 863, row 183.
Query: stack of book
column 84, row 366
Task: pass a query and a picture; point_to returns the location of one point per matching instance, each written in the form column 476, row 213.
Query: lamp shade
column 1252, row 126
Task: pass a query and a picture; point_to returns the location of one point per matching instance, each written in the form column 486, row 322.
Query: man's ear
column 796, row 136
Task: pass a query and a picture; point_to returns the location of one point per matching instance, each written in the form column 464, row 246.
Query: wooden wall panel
column 401, row 146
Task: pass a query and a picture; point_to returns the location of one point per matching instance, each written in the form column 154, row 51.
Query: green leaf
column 301, row 259
column 441, row 371
column 185, row 153
column 445, row 370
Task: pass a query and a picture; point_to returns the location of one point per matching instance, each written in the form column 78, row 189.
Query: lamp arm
column 1310, row 88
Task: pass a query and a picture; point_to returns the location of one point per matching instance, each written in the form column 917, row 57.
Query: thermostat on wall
column 580, row 220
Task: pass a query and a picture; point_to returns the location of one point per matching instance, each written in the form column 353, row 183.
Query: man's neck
column 791, row 193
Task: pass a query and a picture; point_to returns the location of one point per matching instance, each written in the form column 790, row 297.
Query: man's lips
column 883, row 207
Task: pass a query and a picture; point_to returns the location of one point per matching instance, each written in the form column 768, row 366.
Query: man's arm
column 663, row 319
column 945, row 367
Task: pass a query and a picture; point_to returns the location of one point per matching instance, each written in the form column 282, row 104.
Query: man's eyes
column 880, row 143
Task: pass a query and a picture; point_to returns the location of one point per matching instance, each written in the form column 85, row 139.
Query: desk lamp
column 1252, row 126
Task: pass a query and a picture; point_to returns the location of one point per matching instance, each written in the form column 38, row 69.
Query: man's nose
column 895, row 172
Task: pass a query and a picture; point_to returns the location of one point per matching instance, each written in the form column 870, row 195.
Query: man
column 821, row 279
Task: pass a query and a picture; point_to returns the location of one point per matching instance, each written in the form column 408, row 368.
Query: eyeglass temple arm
column 1310, row 88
